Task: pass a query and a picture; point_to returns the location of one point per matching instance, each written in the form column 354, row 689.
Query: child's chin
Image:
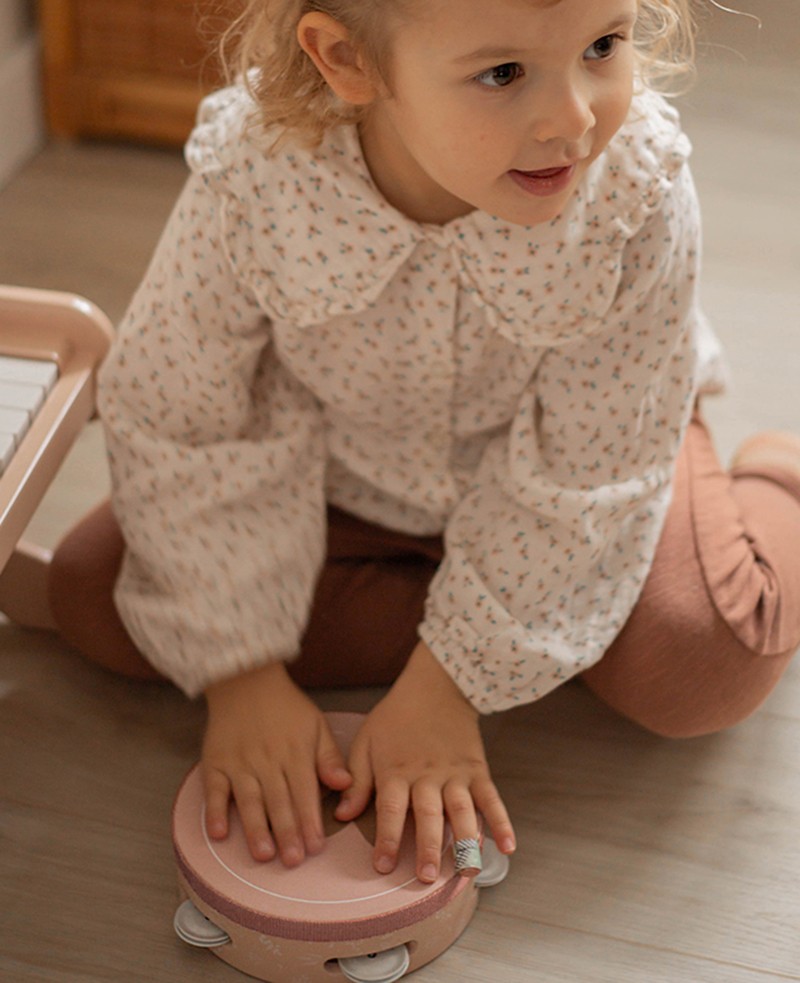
column 542, row 214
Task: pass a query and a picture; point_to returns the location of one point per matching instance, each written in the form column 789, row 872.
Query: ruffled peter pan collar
column 314, row 239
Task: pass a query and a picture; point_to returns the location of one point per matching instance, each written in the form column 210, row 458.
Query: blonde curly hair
column 292, row 95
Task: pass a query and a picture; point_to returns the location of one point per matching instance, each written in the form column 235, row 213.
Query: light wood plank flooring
column 640, row 861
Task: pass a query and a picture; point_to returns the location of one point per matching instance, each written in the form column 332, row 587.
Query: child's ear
column 328, row 44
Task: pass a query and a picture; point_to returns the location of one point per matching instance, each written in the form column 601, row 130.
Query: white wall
column 21, row 126
column 754, row 32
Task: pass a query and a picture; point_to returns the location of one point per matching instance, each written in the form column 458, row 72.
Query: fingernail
column 384, row 865
column 429, row 872
column 508, row 845
column 292, row 856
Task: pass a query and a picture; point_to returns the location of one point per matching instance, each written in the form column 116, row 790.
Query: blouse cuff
column 498, row 671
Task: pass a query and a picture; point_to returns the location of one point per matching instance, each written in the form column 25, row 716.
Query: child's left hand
column 421, row 748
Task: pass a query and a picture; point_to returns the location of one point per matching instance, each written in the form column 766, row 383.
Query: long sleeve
column 217, row 462
column 548, row 552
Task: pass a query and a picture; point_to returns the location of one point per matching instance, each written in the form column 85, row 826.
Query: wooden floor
column 640, row 860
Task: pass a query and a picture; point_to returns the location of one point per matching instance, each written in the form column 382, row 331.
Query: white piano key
column 24, row 386
column 21, row 396
column 7, row 447
column 14, row 423
column 34, row 371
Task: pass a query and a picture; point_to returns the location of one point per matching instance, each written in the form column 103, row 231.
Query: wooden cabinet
column 133, row 69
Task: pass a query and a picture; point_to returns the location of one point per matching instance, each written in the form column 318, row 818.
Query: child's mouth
column 548, row 181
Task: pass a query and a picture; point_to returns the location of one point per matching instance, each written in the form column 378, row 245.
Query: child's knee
column 700, row 721
column 81, row 581
column 680, row 705
column 84, row 566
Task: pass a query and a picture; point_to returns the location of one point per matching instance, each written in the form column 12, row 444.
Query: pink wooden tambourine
column 333, row 916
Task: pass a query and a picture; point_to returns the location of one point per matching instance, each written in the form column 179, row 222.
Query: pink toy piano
column 51, row 345
column 333, row 917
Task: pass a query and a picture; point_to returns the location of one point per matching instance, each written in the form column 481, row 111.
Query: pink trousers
column 715, row 627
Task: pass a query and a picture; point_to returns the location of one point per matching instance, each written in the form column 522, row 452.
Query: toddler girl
column 408, row 396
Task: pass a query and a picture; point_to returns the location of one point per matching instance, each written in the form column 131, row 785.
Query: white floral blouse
column 297, row 341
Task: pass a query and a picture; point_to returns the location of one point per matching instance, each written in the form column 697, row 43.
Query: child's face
column 499, row 105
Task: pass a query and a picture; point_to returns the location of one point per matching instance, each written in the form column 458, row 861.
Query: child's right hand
column 267, row 746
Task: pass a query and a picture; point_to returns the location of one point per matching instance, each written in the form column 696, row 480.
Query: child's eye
column 500, row 76
column 603, row 47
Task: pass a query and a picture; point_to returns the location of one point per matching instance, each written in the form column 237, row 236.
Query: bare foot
column 772, row 450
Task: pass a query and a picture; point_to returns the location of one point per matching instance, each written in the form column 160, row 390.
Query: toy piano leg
column 331, row 917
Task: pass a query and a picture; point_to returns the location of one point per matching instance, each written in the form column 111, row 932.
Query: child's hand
column 421, row 748
column 267, row 745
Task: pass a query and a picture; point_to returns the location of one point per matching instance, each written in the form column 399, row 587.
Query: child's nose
column 563, row 111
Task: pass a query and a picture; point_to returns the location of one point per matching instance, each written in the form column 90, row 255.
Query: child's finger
column 304, row 790
column 283, row 821
column 250, row 804
column 490, row 803
column 391, row 809
column 217, row 797
column 356, row 798
column 429, row 820
column 331, row 766
column 461, row 813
